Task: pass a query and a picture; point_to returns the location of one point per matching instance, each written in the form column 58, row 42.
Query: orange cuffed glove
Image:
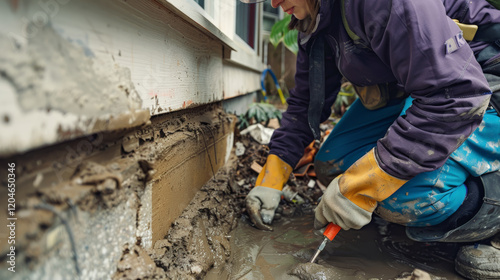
column 265, row 197
column 350, row 198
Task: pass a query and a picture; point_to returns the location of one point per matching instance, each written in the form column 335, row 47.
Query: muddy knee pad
column 478, row 218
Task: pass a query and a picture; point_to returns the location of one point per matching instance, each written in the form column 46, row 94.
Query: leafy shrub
column 259, row 113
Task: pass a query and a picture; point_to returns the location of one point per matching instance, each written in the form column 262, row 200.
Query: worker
column 421, row 145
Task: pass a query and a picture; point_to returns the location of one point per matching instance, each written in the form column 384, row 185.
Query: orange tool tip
column 331, row 231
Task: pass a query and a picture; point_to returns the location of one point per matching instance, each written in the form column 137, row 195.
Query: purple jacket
column 406, row 45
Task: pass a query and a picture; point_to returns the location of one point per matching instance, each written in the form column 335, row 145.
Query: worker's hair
column 306, row 25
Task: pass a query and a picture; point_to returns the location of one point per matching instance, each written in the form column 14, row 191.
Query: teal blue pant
column 430, row 197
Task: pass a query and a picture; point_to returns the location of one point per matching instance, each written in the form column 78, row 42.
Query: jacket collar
column 322, row 20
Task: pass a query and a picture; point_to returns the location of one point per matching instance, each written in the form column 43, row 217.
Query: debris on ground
column 301, row 191
column 259, row 133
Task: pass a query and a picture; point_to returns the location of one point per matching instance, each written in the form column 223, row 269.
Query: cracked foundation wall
column 124, row 192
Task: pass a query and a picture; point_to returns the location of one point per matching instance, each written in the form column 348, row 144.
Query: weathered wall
column 233, row 75
column 72, row 68
column 51, row 91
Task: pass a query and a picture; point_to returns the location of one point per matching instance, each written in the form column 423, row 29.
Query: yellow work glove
column 350, row 198
column 265, row 197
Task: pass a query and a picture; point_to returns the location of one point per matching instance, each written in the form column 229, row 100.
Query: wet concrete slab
column 378, row 251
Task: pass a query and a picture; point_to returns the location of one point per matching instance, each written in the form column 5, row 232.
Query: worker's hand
column 350, row 198
column 263, row 200
column 261, row 205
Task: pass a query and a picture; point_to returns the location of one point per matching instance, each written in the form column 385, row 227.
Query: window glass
column 201, row 3
column 268, row 23
column 269, row 9
column 270, row 16
column 245, row 22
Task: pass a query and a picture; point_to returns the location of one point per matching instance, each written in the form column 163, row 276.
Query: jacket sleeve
column 436, row 67
column 288, row 141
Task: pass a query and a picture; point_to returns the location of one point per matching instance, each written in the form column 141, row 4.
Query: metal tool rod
column 320, row 248
column 329, row 233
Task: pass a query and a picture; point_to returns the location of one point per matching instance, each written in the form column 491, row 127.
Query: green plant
column 258, row 112
column 281, row 33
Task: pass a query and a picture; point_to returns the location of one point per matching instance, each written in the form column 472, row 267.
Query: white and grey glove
column 261, row 205
column 350, row 198
column 336, row 208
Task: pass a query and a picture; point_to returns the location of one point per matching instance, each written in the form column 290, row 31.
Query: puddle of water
column 378, row 251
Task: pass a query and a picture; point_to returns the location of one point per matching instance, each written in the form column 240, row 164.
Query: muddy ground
column 214, row 239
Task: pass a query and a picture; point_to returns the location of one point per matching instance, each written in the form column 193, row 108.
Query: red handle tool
column 329, row 233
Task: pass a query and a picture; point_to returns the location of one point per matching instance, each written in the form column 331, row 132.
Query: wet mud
column 378, row 251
